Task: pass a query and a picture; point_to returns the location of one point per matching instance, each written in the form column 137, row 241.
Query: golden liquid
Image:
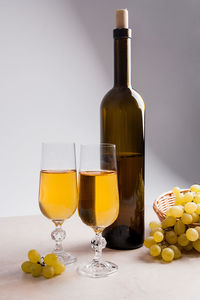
column 58, row 194
column 98, row 198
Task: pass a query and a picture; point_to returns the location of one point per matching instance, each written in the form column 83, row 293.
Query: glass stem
column 98, row 250
column 59, row 246
column 98, row 243
column 58, row 235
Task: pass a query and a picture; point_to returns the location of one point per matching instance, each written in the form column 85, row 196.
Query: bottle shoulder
column 119, row 96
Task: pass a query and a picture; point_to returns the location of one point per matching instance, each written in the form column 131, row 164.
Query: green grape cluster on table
column 178, row 232
column 47, row 266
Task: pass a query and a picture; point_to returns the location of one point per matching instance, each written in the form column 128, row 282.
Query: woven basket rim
column 171, row 192
column 163, row 197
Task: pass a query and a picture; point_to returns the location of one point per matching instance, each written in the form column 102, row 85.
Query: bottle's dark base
column 123, row 238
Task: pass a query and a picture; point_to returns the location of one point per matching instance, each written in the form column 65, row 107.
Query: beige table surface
column 139, row 277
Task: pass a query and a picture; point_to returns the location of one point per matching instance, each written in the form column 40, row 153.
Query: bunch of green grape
column 47, row 266
column 178, row 232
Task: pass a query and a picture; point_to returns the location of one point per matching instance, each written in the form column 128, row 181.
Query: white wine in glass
column 98, row 205
column 58, row 190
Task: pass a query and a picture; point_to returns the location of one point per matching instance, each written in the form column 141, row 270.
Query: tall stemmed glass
column 58, row 190
column 98, row 201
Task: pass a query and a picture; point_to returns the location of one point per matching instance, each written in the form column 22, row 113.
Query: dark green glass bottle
column 122, row 124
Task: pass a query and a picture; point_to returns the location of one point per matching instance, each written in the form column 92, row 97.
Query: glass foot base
column 98, row 269
column 65, row 258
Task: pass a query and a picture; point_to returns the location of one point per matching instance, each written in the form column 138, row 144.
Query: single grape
column 188, row 197
column 179, row 227
column 190, row 207
column 156, row 229
column 149, row 241
column 26, row 266
column 176, row 211
column 164, row 225
column 197, row 199
column 198, row 209
column 155, row 250
column 50, row 259
column 195, row 188
column 187, row 218
column 182, row 240
column 169, row 212
column 154, row 224
column 170, row 221
column 48, row 271
column 177, row 251
column 179, row 200
column 59, row 267
column 176, row 190
column 171, row 237
column 36, row 269
column 196, row 245
column 198, row 230
column 34, row 256
column 188, row 247
column 195, row 217
column 167, row 254
column 192, row 234
column 158, row 236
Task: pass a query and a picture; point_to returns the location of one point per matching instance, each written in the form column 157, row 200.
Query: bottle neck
column 122, row 62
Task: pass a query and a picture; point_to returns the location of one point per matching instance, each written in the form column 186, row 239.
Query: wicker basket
column 163, row 203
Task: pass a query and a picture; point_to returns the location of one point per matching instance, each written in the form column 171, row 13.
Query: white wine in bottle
column 122, row 124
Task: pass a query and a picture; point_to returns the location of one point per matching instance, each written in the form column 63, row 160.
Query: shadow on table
column 80, row 249
column 83, row 249
column 147, row 258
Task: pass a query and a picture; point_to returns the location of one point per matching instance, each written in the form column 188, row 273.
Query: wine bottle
column 122, row 124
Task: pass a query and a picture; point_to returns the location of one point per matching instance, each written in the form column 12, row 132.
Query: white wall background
column 56, row 63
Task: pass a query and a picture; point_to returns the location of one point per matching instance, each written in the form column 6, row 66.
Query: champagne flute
column 98, row 204
column 58, row 191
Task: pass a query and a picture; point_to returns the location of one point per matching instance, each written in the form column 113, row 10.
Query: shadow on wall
column 166, row 65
